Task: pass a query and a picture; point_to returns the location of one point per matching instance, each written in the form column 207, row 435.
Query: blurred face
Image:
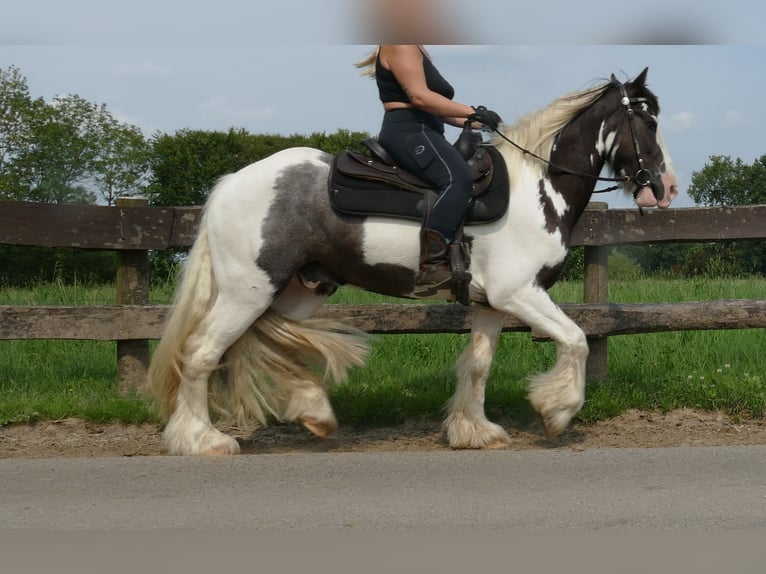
column 408, row 21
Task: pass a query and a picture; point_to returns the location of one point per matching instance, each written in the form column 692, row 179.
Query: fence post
column 596, row 290
column 132, row 289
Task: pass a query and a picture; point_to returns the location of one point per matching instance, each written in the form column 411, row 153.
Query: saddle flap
column 359, row 165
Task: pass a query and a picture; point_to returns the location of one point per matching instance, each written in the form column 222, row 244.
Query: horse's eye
column 652, row 124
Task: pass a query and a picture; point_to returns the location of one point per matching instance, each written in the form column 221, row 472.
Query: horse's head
column 637, row 150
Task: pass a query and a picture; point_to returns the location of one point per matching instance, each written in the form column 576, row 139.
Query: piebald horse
column 240, row 341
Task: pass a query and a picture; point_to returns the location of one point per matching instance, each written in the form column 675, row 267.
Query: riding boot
column 434, row 264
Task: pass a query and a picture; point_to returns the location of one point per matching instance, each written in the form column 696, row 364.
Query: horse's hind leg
column 189, row 429
column 558, row 394
column 309, row 405
column 466, row 424
column 306, row 402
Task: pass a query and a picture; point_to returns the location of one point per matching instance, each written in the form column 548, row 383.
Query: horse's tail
column 275, row 357
column 194, row 297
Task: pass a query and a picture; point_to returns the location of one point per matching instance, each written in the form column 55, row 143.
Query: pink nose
column 670, row 195
column 671, row 190
column 645, row 197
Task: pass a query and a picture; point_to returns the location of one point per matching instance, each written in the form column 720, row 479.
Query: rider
column 418, row 101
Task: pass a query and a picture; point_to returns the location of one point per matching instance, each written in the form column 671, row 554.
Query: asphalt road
column 698, row 488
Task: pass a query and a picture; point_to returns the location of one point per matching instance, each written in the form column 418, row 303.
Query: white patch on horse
column 524, row 228
column 604, row 142
column 391, row 241
column 669, row 169
column 559, row 203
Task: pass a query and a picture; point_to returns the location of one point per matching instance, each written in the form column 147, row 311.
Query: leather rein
column 641, row 178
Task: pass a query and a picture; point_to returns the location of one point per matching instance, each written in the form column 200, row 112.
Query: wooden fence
column 132, row 229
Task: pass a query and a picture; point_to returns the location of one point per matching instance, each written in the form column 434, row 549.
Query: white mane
column 535, row 131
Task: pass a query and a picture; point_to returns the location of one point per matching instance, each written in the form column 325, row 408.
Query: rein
column 641, row 178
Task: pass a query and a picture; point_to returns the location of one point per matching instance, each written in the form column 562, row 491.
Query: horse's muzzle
column 659, row 193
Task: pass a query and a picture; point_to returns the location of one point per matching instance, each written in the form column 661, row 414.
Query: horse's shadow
column 423, row 434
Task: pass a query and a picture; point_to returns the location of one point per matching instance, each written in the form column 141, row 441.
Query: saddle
column 373, row 185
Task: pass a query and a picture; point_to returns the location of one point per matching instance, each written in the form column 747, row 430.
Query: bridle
column 642, row 178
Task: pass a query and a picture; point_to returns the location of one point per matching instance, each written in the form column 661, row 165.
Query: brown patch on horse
column 552, row 219
column 302, row 229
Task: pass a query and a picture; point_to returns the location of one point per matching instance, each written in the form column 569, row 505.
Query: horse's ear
column 641, row 78
column 613, row 79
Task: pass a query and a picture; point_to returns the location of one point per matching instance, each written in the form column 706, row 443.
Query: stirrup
column 461, row 277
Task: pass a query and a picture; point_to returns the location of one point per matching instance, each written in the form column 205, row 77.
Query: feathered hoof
column 556, row 409
column 226, row 449
column 556, row 422
column 464, row 433
column 320, row 428
column 194, row 437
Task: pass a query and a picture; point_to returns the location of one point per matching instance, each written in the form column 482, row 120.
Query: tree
column 120, row 165
column 185, row 166
column 755, row 182
column 16, row 111
column 724, row 181
column 68, row 150
column 55, row 168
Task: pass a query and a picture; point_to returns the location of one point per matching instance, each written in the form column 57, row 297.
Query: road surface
column 677, row 488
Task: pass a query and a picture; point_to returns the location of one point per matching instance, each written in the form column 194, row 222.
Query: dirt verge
column 632, row 429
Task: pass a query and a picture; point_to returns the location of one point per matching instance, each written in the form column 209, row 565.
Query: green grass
column 411, row 376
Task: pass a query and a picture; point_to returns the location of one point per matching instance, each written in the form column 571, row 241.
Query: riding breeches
column 416, row 141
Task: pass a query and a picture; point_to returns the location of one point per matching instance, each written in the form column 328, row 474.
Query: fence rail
column 138, row 227
column 132, row 229
column 134, row 322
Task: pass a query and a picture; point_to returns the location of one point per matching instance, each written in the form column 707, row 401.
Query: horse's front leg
column 466, row 424
column 560, row 393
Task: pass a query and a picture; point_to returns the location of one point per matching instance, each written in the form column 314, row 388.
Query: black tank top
column 391, row 91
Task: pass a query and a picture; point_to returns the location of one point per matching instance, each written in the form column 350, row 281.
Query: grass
column 411, row 376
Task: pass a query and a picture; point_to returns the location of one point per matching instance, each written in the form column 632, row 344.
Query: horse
column 241, row 344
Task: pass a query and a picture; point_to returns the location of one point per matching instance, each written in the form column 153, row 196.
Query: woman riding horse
column 418, row 101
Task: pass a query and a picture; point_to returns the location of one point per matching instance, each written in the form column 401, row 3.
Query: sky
column 287, row 67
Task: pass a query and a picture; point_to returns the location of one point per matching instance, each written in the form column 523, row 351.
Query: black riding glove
column 486, row 117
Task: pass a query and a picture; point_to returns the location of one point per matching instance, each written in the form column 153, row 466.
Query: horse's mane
column 535, row 131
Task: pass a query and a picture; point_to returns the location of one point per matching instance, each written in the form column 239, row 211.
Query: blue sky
column 273, row 72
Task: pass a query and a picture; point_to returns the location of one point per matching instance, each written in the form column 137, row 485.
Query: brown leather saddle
column 372, row 184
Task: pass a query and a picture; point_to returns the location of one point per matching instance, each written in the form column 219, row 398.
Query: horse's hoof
column 322, row 429
column 222, row 445
column 555, row 422
column 499, row 443
column 463, row 433
column 221, row 450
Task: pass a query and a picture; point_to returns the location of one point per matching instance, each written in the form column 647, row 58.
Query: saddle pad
column 354, row 196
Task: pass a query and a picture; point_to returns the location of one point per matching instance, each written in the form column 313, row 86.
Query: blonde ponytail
column 367, row 65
